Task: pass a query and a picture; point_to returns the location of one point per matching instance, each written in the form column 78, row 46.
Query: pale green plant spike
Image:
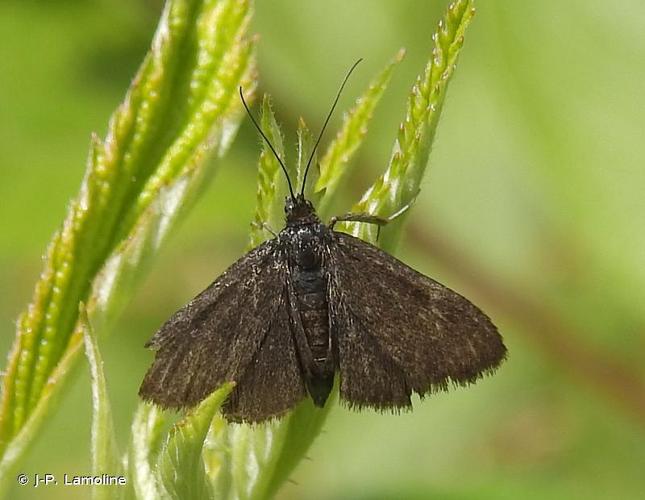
column 269, row 177
column 180, row 466
column 333, row 165
column 399, row 185
column 303, row 148
column 105, row 455
column 181, row 105
column 217, row 457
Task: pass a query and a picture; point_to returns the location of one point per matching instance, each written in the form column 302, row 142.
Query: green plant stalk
column 273, row 450
column 181, row 105
column 276, row 447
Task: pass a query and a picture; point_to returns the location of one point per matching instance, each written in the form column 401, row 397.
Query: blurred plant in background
column 532, row 208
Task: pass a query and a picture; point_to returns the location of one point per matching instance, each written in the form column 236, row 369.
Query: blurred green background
column 533, row 208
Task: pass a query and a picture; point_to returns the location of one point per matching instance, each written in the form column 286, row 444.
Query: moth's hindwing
column 400, row 331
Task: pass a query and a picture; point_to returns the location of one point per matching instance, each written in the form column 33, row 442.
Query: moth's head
column 298, row 211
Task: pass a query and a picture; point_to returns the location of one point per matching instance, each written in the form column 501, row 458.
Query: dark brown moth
column 310, row 303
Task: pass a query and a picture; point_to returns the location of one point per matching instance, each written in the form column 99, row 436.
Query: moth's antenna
column 313, row 151
column 284, row 169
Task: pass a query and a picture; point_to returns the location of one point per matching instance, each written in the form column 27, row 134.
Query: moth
column 312, row 302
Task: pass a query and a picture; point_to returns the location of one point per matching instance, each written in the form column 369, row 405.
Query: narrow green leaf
column 303, row 148
column 181, row 105
column 180, row 467
column 340, row 151
column 267, row 211
column 145, row 442
column 399, row 185
column 105, row 455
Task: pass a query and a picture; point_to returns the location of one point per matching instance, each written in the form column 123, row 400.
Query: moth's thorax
column 305, row 244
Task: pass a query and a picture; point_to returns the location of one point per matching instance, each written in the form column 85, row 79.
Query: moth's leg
column 367, row 218
column 370, row 218
column 265, row 226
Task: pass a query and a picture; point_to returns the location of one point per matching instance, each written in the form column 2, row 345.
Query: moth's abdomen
column 311, row 291
column 310, row 287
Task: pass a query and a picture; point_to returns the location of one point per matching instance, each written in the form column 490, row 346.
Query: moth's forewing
column 400, row 331
column 229, row 332
column 272, row 383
